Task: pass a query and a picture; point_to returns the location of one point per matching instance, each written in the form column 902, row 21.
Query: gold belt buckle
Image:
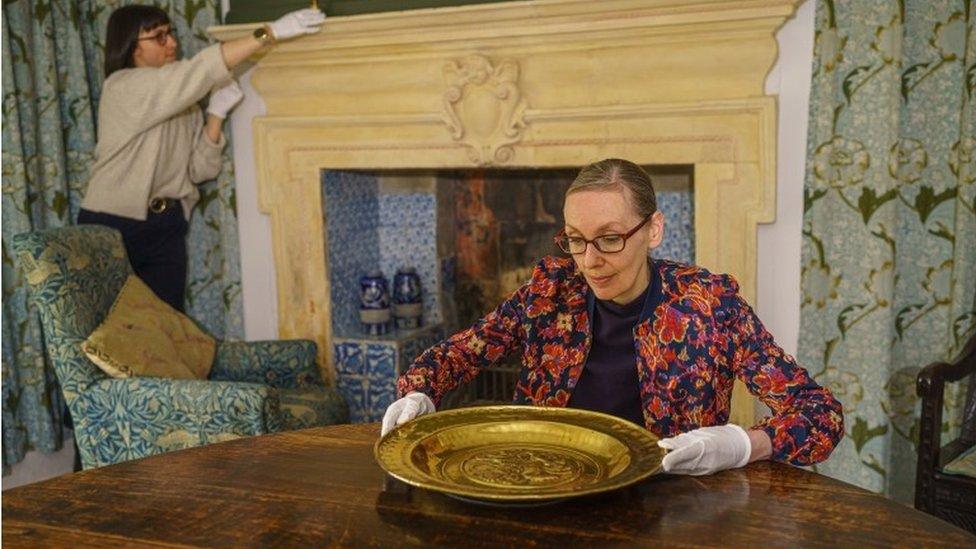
column 158, row 205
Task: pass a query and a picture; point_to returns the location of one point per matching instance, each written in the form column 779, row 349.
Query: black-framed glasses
column 161, row 36
column 610, row 243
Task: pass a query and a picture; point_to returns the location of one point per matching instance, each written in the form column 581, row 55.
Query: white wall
column 779, row 242
column 38, row 466
column 257, row 260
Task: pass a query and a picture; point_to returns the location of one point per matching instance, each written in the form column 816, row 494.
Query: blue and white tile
column 352, row 219
column 409, row 209
column 409, row 351
column 408, row 239
column 354, row 390
column 381, row 377
column 380, row 394
column 679, row 235
column 365, row 376
column 380, row 360
column 349, row 358
column 416, row 343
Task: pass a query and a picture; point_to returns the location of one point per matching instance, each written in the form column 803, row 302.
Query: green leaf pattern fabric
column 302, row 408
column 122, row 419
column 74, row 275
column 289, row 363
column 889, row 228
column 52, row 76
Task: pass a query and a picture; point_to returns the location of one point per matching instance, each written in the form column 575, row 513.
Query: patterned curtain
column 889, row 232
column 52, row 75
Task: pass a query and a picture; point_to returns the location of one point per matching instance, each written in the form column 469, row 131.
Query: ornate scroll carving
column 483, row 107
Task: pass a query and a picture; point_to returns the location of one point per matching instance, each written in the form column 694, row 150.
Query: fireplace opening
column 473, row 237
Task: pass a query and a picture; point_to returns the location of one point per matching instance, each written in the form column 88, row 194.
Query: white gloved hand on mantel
column 706, row 450
column 412, row 405
column 297, row 23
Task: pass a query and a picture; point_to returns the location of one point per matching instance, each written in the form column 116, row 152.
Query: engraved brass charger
column 519, row 454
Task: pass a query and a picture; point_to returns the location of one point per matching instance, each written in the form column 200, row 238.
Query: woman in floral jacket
column 582, row 324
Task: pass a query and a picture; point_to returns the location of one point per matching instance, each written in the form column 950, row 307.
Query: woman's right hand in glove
column 403, row 410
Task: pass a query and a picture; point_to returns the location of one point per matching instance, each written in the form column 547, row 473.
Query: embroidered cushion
column 143, row 336
column 965, row 464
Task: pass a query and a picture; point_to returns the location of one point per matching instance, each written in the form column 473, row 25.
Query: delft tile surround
column 408, row 238
column 679, row 226
column 366, row 369
column 366, row 230
column 369, row 230
column 351, row 205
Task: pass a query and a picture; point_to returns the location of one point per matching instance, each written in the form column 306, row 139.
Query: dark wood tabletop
column 322, row 487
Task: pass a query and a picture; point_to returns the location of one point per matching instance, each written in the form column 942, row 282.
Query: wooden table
column 322, row 487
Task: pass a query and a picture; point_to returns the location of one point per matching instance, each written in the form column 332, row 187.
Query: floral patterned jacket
column 690, row 348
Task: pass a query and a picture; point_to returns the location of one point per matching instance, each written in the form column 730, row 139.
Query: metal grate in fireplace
column 494, row 385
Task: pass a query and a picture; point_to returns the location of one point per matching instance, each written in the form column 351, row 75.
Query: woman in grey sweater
column 154, row 143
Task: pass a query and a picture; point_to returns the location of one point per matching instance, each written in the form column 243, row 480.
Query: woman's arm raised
column 296, row 23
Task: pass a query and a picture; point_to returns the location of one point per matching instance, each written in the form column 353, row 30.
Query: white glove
column 706, row 450
column 297, row 23
column 224, row 97
column 413, row 405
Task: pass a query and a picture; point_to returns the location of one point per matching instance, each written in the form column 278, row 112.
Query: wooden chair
column 951, row 497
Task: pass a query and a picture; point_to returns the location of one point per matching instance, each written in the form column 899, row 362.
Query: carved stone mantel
column 544, row 83
column 483, row 107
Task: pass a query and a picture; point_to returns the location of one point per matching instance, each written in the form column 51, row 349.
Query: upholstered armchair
column 74, row 275
column 945, row 481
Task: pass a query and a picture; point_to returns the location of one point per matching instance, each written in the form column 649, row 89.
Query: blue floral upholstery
column 285, row 364
column 289, row 367
column 74, row 275
column 302, row 408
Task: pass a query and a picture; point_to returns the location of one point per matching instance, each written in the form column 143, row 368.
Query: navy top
column 609, row 381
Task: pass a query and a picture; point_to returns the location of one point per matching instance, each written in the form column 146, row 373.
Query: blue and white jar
column 374, row 303
column 407, row 299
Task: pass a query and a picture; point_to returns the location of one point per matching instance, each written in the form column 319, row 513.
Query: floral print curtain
column 52, row 75
column 889, row 228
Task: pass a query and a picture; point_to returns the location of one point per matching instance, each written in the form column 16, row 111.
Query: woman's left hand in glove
column 224, row 98
column 707, row 450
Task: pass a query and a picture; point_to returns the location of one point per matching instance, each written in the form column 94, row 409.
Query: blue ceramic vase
column 407, row 299
column 374, row 303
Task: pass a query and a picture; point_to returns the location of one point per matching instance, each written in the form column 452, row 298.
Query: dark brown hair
column 122, row 36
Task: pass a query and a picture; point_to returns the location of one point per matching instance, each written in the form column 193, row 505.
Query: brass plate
column 519, row 453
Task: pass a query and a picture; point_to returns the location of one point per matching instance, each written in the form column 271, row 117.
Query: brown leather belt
column 159, row 205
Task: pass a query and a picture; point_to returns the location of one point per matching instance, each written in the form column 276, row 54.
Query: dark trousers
column 156, row 248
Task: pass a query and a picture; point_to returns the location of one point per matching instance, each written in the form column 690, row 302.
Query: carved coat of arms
column 483, row 107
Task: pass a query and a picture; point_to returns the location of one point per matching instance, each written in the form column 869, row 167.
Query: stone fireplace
column 543, row 84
